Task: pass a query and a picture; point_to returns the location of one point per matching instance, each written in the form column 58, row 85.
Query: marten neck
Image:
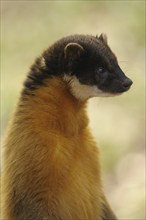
column 54, row 109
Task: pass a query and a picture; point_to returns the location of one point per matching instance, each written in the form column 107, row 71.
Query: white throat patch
column 82, row 91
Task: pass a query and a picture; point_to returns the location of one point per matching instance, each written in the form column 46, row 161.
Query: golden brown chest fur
column 51, row 164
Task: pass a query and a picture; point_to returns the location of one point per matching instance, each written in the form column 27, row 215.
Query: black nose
column 127, row 83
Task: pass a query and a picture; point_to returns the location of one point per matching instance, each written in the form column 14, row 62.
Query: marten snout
column 127, row 84
column 124, row 82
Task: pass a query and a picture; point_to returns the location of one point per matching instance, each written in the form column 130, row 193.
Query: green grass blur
column 28, row 27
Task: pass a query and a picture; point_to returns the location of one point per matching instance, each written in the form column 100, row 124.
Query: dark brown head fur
column 89, row 59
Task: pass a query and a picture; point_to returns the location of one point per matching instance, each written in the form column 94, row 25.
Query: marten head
column 85, row 63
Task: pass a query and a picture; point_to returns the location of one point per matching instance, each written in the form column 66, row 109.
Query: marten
column 51, row 164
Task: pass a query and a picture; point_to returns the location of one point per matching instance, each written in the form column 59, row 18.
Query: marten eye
column 100, row 69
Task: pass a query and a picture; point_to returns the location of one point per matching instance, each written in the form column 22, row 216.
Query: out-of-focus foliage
column 28, row 27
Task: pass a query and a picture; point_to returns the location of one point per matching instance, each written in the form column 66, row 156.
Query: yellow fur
column 49, row 150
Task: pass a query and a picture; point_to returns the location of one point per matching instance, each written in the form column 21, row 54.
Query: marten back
column 51, row 164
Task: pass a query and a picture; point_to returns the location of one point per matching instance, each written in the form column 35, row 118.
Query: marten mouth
column 121, row 90
column 118, row 87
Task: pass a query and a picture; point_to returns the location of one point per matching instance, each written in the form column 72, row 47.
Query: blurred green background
column 28, row 27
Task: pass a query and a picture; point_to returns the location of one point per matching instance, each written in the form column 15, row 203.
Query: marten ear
column 103, row 38
column 73, row 50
